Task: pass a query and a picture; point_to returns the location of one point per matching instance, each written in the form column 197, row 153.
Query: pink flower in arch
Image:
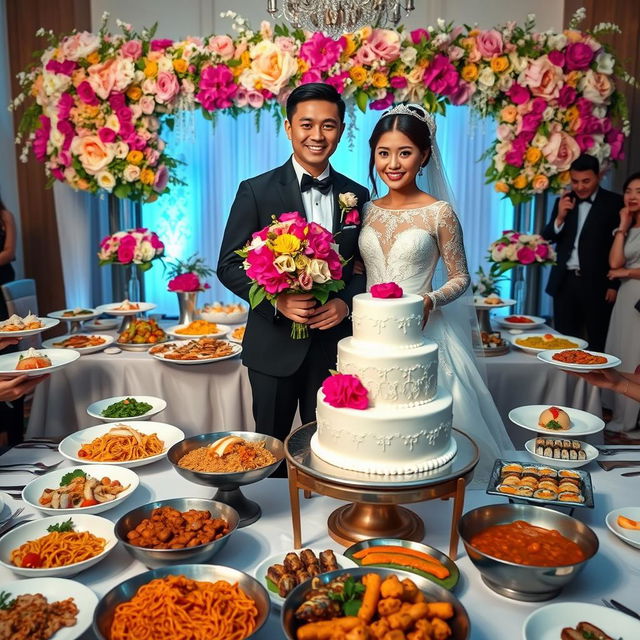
column 321, row 52
column 216, row 88
column 312, row 75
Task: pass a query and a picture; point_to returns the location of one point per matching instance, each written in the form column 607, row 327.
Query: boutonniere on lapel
column 348, row 212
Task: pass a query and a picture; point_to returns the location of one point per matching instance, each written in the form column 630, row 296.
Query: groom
column 284, row 372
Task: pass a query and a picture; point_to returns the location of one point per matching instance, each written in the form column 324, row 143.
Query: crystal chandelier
column 335, row 17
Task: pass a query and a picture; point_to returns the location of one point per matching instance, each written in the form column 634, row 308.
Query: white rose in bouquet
column 319, row 271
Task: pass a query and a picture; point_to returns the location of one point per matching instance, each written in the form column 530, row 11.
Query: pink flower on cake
column 386, row 290
column 345, row 392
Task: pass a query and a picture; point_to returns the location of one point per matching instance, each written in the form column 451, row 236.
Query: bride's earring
column 421, row 171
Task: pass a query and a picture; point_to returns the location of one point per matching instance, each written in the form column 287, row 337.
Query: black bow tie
column 589, row 200
column 323, row 186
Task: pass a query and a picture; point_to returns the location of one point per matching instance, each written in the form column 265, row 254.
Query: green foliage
column 61, row 527
column 5, row 601
column 68, row 477
column 193, row 264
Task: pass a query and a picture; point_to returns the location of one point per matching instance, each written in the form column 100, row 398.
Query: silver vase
column 187, row 302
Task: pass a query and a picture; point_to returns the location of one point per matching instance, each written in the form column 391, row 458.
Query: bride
column 404, row 234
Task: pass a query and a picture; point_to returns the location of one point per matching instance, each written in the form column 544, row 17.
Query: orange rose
column 501, row 187
column 564, row 177
column 379, row 80
column 469, row 72
column 134, row 93
column 135, row 157
column 350, row 45
column 540, row 182
column 520, row 182
column 180, row 65
column 499, row 64
column 151, row 69
column 572, row 78
column 93, row 58
column 358, row 75
column 147, row 176
column 533, row 155
column 94, row 154
column 509, row 113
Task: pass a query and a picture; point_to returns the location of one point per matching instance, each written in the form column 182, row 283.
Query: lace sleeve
column 450, row 244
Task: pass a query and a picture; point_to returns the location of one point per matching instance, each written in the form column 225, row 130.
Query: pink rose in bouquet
column 345, row 392
column 292, row 255
column 386, row 290
column 186, row 282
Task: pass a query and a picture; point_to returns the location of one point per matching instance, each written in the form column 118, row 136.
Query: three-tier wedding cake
column 406, row 427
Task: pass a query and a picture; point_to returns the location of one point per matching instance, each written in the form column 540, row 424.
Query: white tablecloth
column 613, row 573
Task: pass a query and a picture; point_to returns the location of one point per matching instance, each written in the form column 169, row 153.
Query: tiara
column 415, row 110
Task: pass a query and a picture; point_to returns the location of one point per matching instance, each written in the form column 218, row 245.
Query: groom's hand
column 296, row 306
column 330, row 314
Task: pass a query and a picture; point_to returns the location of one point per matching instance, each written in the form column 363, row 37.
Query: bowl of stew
column 526, row 552
column 176, row 531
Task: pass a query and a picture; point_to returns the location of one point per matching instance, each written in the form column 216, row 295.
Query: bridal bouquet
column 134, row 246
column 513, row 249
column 292, row 255
column 188, row 275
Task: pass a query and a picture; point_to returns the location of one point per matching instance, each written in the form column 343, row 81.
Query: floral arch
column 97, row 103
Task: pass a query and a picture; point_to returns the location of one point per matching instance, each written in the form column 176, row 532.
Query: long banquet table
column 217, row 396
column 613, row 573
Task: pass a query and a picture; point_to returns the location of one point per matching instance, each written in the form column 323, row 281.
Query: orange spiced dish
column 577, row 356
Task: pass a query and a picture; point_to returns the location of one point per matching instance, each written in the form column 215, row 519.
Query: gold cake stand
column 373, row 510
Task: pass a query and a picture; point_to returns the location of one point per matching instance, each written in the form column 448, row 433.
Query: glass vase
column 132, row 290
column 518, row 289
column 187, row 303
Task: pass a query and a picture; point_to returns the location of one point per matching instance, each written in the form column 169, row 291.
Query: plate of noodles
column 59, row 546
column 198, row 329
column 87, row 489
column 222, row 602
column 35, row 598
column 539, row 342
column 122, row 444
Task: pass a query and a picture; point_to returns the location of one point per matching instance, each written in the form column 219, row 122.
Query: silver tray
column 298, row 452
column 585, row 486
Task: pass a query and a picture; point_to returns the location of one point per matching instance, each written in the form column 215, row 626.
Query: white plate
column 630, row 536
column 47, row 323
column 237, row 349
column 49, row 344
column 59, row 358
column 535, row 322
column 582, row 422
column 54, row 590
column 157, row 405
column 478, row 303
column 590, row 450
column 230, row 337
column 547, row 623
column 579, row 342
column 236, row 317
column 611, row 362
column 32, row 492
column 169, row 434
column 260, row 572
column 223, row 330
column 112, row 309
column 102, row 324
column 97, row 525
column 81, row 318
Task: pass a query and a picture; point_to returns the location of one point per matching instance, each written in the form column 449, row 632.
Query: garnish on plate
column 61, row 527
column 349, row 597
column 6, row 602
column 67, row 478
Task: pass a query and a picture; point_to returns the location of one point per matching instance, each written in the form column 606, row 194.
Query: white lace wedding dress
column 404, row 246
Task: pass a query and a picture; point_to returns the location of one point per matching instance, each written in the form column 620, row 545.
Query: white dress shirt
column 317, row 206
column 573, row 263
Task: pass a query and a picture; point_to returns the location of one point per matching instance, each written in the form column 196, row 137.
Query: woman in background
column 7, row 253
column 623, row 339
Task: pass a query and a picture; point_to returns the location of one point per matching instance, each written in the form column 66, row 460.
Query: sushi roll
column 567, row 496
column 541, row 442
column 569, row 473
column 539, row 450
column 564, row 454
column 557, row 453
column 508, row 489
column 529, row 481
column 566, row 444
column 582, row 454
column 524, row 492
column 545, row 494
column 512, row 467
column 557, row 443
column 576, row 444
column 531, row 471
column 548, row 452
column 574, row 481
column 552, row 485
column 569, row 487
column 573, row 454
column 548, row 472
column 511, row 480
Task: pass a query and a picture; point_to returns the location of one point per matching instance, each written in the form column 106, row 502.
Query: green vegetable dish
column 127, row 408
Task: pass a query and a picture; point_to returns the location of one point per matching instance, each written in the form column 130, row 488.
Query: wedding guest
column 7, row 253
column 623, row 339
column 626, row 384
column 581, row 225
column 12, row 390
column 284, row 372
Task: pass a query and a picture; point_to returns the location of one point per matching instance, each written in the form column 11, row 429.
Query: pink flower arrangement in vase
column 514, row 249
column 292, row 255
column 138, row 247
column 187, row 280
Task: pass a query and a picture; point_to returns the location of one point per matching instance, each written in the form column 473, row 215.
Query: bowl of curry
column 526, row 552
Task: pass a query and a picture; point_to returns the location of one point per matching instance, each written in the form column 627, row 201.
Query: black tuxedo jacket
column 267, row 344
column 593, row 246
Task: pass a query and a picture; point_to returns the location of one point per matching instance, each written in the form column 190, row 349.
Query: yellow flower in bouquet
column 302, row 262
column 533, row 155
column 379, row 80
column 134, row 92
column 147, row 176
column 501, row 187
column 358, row 75
column 135, row 157
column 180, row 65
column 520, row 182
column 469, row 72
column 286, row 243
column 151, row 69
column 499, row 64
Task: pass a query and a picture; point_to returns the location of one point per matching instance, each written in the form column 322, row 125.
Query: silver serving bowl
column 524, row 582
column 460, row 625
column 228, row 483
column 103, row 615
column 154, row 558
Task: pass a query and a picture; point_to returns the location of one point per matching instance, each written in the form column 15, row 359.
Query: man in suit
column 284, row 372
column 582, row 225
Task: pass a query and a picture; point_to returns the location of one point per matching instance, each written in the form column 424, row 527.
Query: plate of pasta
column 122, row 444
column 44, row 598
column 59, row 546
column 87, row 489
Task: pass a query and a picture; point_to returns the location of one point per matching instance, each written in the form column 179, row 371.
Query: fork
column 8, row 524
column 614, row 604
column 22, row 466
column 611, row 452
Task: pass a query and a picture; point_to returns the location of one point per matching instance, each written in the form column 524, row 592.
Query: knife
column 621, row 607
column 618, row 464
column 631, row 474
